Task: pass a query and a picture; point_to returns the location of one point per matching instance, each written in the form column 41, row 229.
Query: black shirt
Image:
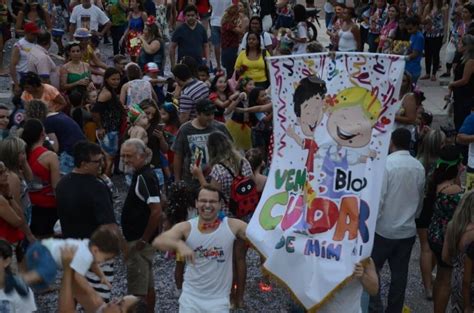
column 267, row 7
column 144, row 190
column 84, row 203
column 190, row 41
column 465, row 93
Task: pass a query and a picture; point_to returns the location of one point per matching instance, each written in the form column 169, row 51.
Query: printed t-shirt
column 89, row 18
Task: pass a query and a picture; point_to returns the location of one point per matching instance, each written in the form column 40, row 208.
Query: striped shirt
column 190, row 95
column 103, row 290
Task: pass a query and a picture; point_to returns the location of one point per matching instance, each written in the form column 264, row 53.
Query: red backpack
column 243, row 194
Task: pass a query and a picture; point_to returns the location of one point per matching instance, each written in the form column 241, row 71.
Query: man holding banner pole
column 395, row 232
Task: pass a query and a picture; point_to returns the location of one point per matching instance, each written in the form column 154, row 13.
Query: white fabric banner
column 333, row 116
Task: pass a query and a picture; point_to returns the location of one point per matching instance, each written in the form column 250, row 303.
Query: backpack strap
column 228, row 170
column 267, row 74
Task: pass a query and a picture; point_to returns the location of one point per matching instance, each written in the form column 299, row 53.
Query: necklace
column 76, row 66
column 211, row 225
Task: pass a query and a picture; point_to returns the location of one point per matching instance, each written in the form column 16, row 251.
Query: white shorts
column 192, row 304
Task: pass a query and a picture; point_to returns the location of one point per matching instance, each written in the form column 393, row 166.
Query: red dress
column 42, row 196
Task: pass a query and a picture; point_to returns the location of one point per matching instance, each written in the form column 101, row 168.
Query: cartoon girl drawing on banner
column 351, row 116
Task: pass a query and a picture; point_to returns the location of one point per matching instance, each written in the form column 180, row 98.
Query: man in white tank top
column 206, row 243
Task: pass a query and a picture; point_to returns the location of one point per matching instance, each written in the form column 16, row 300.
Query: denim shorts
column 216, row 35
column 40, row 260
column 110, row 143
column 66, row 163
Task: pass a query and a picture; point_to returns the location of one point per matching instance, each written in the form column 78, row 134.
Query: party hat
column 134, row 112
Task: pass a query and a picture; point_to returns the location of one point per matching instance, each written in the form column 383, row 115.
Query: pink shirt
column 388, row 31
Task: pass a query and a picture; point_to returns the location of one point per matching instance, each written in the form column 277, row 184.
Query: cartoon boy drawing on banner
column 309, row 108
column 308, row 99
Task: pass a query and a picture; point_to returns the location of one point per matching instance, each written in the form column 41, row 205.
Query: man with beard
column 140, row 219
column 206, row 243
column 190, row 38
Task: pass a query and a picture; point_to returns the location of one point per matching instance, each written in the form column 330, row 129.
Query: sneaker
column 445, row 75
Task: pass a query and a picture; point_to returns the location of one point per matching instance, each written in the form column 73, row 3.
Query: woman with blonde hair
column 428, row 154
column 12, row 222
column 13, row 156
column 458, row 250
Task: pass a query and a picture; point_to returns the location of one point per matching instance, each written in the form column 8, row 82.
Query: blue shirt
column 66, row 129
column 467, row 128
column 417, row 42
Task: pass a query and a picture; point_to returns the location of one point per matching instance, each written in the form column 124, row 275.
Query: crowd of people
column 80, row 120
